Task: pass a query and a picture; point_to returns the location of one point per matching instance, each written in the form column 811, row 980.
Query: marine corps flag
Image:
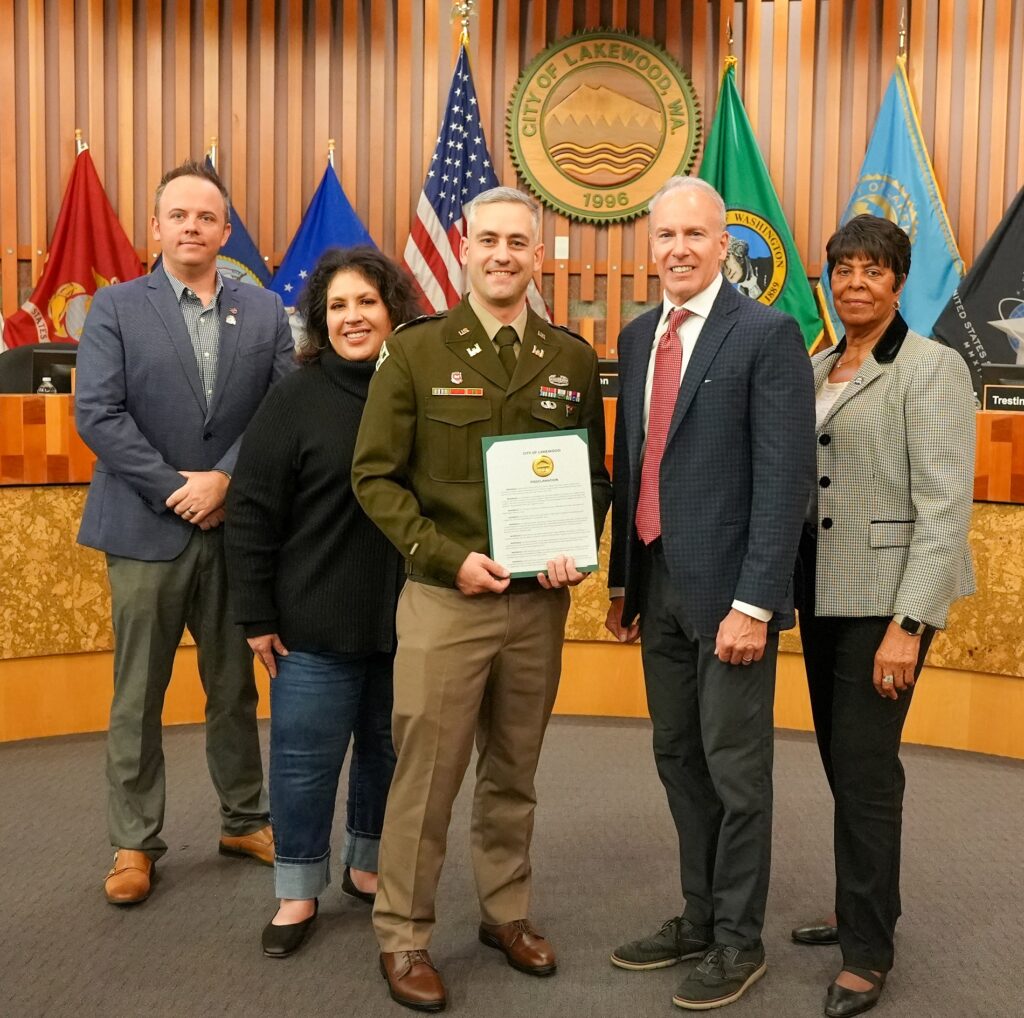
column 762, row 260
column 89, row 249
column 984, row 318
column 896, row 181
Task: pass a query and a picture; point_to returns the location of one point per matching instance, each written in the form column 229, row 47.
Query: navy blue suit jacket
column 140, row 406
column 738, row 463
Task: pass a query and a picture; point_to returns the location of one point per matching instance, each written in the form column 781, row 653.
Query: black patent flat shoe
column 843, row 1003
column 818, row 934
column 281, row 941
column 350, row 888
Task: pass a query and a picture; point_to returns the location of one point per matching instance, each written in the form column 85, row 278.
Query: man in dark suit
column 171, row 367
column 714, row 460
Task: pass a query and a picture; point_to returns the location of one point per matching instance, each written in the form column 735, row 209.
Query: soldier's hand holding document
column 539, row 502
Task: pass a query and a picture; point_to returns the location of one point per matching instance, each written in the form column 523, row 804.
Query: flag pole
column 903, row 32
column 80, row 146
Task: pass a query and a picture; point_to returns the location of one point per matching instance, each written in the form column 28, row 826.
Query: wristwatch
column 909, row 625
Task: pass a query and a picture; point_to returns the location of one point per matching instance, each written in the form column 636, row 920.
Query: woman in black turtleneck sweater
column 314, row 583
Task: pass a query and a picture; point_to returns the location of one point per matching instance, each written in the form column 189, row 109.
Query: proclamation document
column 539, row 502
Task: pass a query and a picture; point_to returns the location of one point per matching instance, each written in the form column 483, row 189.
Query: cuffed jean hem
column 361, row 851
column 302, row 880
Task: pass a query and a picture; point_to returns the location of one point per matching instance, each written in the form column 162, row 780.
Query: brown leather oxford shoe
column 130, row 878
column 259, row 845
column 412, row 980
column 524, row 948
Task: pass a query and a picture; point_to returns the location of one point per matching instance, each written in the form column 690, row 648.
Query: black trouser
column 713, row 747
column 859, row 740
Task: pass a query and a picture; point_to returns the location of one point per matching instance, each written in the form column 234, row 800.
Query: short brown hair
column 192, row 168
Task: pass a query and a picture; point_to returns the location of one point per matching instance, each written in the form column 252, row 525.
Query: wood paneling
column 39, row 443
column 151, row 81
column 999, row 458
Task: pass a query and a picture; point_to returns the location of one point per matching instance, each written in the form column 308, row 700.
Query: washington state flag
column 762, row 260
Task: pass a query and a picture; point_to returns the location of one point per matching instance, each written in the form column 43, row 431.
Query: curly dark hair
column 392, row 282
column 875, row 238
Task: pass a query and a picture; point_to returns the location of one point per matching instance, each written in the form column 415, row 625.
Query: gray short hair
column 499, row 195
column 690, row 184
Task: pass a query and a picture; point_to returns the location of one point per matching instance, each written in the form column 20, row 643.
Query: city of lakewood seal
column 599, row 121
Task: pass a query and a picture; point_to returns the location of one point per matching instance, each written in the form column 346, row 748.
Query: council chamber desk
column 55, row 637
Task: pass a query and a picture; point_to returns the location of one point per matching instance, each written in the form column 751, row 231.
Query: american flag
column 459, row 170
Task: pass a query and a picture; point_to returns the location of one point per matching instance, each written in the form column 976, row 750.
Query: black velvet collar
column 886, row 349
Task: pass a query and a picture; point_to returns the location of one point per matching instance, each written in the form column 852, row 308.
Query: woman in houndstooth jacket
column 883, row 555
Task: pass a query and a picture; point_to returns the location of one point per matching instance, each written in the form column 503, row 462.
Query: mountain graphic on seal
column 598, row 136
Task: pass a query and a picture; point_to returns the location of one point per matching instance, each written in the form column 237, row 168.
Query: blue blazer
column 738, row 463
column 140, row 405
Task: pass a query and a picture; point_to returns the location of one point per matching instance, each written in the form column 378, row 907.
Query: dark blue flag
column 329, row 222
column 239, row 258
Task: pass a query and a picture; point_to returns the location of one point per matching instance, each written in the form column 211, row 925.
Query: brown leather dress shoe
column 259, row 845
column 130, row 878
column 523, row 947
column 412, row 980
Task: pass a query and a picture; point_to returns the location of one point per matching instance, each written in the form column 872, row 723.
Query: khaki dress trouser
column 484, row 667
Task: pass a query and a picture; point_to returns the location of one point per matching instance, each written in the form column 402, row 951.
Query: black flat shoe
column 349, row 888
column 281, row 941
column 817, row 934
column 842, row 1003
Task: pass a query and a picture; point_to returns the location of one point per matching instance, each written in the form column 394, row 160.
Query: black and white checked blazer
column 895, row 458
column 737, row 469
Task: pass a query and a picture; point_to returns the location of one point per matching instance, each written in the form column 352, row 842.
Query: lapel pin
column 462, row 332
column 473, row 350
column 230, row 320
column 456, row 378
column 537, row 352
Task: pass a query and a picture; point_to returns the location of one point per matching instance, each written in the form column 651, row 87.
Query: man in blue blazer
column 171, row 367
column 714, row 461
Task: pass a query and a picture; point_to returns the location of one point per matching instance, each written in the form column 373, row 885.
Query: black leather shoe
column 817, row 934
column 842, row 1003
column 349, row 888
column 281, row 941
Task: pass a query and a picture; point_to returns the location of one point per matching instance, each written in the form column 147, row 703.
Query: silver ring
column 887, row 680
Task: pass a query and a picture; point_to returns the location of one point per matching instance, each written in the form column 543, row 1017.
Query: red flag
column 89, row 250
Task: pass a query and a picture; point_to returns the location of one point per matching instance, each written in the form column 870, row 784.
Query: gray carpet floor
column 605, row 870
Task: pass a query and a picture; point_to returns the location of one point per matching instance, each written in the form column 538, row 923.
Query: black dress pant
column 859, row 736
column 713, row 744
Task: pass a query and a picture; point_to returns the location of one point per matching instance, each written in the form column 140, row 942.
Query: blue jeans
column 318, row 703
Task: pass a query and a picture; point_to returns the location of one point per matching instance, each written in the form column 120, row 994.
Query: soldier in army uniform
column 479, row 653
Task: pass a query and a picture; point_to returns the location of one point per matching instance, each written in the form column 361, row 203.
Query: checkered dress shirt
column 203, row 324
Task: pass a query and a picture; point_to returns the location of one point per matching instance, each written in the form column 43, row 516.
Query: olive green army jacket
column 438, row 390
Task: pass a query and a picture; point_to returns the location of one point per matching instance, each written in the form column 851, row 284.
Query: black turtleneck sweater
column 303, row 558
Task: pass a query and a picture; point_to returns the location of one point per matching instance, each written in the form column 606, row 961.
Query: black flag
column 984, row 319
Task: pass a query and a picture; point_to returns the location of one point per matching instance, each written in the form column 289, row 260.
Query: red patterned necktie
column 664, row 391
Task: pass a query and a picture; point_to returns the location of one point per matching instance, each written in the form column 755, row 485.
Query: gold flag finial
column 463, row 10
column 903, row 31
column 212, row 153
column 728, row 33
column 80, row 146
column 330, row 151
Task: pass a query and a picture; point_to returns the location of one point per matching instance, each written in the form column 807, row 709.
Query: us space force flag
column 984, row 319
column 762, row 260
column 896, row 181
column 330, row 221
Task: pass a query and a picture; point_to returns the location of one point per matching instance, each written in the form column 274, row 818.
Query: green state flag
column 762, row 261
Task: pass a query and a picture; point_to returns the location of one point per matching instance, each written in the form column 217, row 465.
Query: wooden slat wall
column 151, row 81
